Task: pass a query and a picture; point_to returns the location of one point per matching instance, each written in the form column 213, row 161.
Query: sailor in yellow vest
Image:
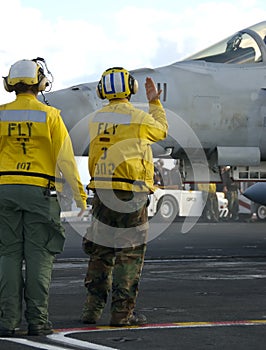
column 35, row 155
column 211, row 209
column 122, row 171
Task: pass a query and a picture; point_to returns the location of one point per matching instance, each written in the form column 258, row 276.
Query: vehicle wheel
column 167, row 209
column 261, row 212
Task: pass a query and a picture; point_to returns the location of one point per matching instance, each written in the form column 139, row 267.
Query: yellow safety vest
column 208, row 187
column 120, row 155
column 35, row 146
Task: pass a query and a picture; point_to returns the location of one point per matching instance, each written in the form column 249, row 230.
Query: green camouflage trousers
column 233, row 204
column 116, row 243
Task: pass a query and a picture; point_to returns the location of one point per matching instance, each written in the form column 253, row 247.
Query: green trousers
column 30, row 234
column 233, row 203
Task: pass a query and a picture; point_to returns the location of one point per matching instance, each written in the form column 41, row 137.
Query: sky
column 80, row 39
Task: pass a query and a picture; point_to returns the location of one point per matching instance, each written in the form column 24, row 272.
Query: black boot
column 40, row 329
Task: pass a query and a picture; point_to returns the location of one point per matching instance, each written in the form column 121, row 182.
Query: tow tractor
column 168, row 204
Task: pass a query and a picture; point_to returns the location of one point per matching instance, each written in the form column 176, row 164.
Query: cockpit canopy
column 246, row 46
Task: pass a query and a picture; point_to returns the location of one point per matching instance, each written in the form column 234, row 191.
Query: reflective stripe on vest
column 22, row 115
column 115, row 118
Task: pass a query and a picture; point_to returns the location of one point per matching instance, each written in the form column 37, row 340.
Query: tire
column 167, row 209
column 261, row 212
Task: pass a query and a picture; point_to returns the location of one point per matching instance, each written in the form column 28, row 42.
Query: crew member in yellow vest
column 211, row 209
column 36, row 155
column 122, row 171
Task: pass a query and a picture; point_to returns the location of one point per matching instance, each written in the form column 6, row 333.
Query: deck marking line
column 60, row 334
column 165, row 325
column 33, row 344
column 61, row 339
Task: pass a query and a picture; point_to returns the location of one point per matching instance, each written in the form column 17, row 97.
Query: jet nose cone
column 257, row 193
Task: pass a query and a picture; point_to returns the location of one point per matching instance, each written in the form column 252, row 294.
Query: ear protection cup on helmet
column 8, row 88
column 99, row 90
column 43, row 82
column 133, row 84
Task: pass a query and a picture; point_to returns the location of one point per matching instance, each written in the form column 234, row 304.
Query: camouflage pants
column 211, row 209
column 233, row 204
column 117, row 249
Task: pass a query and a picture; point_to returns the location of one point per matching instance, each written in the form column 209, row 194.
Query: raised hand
column 151, row 91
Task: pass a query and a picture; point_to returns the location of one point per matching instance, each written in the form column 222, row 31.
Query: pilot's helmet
column 115, row 83
column 27, row 72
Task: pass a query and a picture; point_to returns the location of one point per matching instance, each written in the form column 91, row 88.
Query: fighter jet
column 215, row 102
